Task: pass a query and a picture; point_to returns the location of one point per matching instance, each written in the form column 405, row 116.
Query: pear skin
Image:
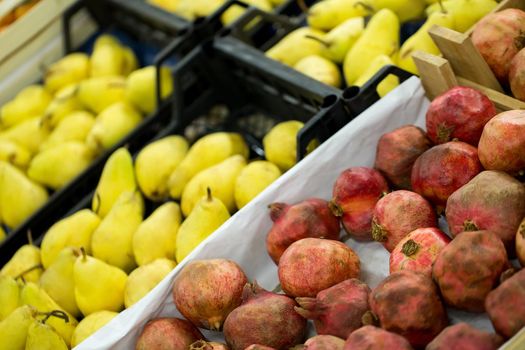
column 340, row 40
column 156, row 236
column 117, row 177
column 406, row 10
column 98, row 286
column 144, row 278
column 29, row 134
column 253, row 179
column 206, row 152
column 236, row 11
column 220, row 179
column 108, row 57
column 90, row 325
column 155, row 163
column 64, row 103
column 328, row 14
column 112, row 241
column 70, row 69
column 29, row 103
column 321, row 69
column 40, row 336
column 15, row 154
column 465, row 13
column 141, row 88
column 9, row 296
column 97, row 94
column 208, row 215
column 297, row 45
column 280, row 144
column 24, row 263
column 13, row 329
column 74, row 127
column 385, row 86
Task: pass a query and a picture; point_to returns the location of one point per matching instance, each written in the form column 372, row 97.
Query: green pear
column 340, row 40
column 110, row 58
column 74, row 127
column 24, row 263
column 220, row 179
column 70, row 69
column 97, row 94
column 144, row 278
column 112, row 124
column 90, row 324
column 117, row 177
column 328, row 14
column 155, row 163
column 206, row 152
column 37, row 297
column 207, row 216
column 406, row 10
column 40, row 336
column 156, row 236
column 98, row 286
column 321, row 69
column 13, row 329
column 15, row 154
column 9, row 295
column 29, row 103
column 141, row 88
column 29, row 134
column 57, row 280
column 57, row 166
column 385, row 86
column 112, row 241
column 64, row 103
column 296, row 45
column 253, row 179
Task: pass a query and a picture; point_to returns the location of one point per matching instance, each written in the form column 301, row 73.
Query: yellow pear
column 340, row 40
column 72, row 231
column 117, row 177
column 207, row 216
column 296, row 45
column 109, row 58
column 328, row 14
column 464, row 12
column 388, row 84
column 2, row 234
column 131, row 62
column 156, row 236
column 29, row 103
column 15, row 154
column 236, row 11
column 406, row 10
column 19, row 196
column 280, row 144
column 98, row 286
column 206, row 152
column 253, row 179
column 90, row 325
column 13, row 329
column 32, row 294
column 321, row 69
column 70, row 69
column 112, row 240
column 40, row 336
column 112, row 124
column 57, row 280
column 57, row 166
column 220, row 179
column 144, row 278
column 96, row 94
column 74, row 127
column 422, row 41
column 26, row 263
column 64, row 103
column 29, row 134
column 167, row 5
column 201, row 8
column 155, row 163
column 141, row 88
column 381, row 37
column 9, row 296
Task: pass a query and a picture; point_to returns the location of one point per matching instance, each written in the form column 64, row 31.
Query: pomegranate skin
column 399, row 213
column 408, row 303
column 502, row 143
column 167, row 333
column 337, row 310
column 520, row 243
column 506, row 305
column 324, row 342
column 517, row 75
column 355, row 194
column 468, row 268
column 443, row 169
column 259, row 347
column 498, row 38
column 418, row 250
column 310, row 218
column 204, row 345
column 264, row 318
column 373, row 338
column 206, row 291
column 493, row 201
column 397, row 151
column 311, row 265
column 463, row 336
column 459, row 113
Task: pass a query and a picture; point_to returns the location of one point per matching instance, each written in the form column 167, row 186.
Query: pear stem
column 97, row 197
column 317, row 39
column 32, row 268
column 208, row 194
column 29, row 237
column 302, row 5
column 366, row 6
column 443, row 9
column 83, row 252
column 55, row 313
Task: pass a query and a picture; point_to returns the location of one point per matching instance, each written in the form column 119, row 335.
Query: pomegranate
column 373, row 338
column 168, row 333
column 459, row 113
column 264, row 318
column 441, row 170
column 337, row 310
column 517, row 75
column 463, row 336
column 418, row 250
column 399, row 213
column 520, row 243
column 408, row 303
column 397, row 151
column 324, row 342
column 204, row 345
column 259, row 347
column 502, row 143
column 311, row 265
column 310, row 218
column 355, row 194
column 206, row 291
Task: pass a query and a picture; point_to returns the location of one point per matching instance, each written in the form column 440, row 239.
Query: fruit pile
column 50, row 133
column 462, row 167
column 114, row 245
column 336, row 37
